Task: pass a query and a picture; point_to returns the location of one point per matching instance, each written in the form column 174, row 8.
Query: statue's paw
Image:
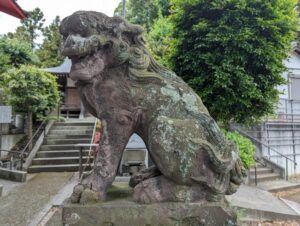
column 76, row 195
column 82, row 194
column 89, row 196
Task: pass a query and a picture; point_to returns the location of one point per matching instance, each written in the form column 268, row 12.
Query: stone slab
column 293, row 205
column 22, row 203
column 133, row 214
column 278, row 185
column 260, row 204
column 121, row 210
column 14, row 175
column 252, row 204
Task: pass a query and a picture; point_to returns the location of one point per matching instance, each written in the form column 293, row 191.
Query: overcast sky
column 51, row 8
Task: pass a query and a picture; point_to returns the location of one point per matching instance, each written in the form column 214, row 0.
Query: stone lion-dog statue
column 121, row 84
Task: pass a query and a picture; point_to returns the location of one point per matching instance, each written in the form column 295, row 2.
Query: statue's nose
column 69, row 41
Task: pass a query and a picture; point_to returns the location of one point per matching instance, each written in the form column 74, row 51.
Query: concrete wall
column 285, row 139
column 8, row 141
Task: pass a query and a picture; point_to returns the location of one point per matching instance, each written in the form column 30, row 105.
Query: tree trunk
column 29, row 128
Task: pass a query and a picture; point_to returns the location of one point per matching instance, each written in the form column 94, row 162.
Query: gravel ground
column 20, row 206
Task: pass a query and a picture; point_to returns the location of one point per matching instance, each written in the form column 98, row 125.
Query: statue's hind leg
column 113, row 141
column 162, row 189
column 185, row 157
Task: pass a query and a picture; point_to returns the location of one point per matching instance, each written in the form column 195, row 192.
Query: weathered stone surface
column 163, row 214
column 120, row 210
column 14, row 175
column 121, row 84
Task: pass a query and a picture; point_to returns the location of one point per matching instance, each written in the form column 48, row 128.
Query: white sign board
column 5, row 114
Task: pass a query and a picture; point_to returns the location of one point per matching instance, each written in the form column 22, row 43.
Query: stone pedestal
column 120, row 210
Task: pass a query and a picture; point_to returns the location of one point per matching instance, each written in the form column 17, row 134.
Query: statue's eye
column 108, row 45
column 123, row 46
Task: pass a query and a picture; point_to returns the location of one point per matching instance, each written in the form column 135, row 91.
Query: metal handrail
column 258, row 141
column 42, row 126
column 81, row 169
column 81, row 146
column 269, row 147
column 21, row 156
column 94, row 133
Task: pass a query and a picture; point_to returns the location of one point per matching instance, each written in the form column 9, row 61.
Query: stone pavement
column 20, row 206
column 32, row 201
column 278, row 185
column 259, row 204
column 10, row 185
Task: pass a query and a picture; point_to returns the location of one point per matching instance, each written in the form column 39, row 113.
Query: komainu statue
column 121, row 84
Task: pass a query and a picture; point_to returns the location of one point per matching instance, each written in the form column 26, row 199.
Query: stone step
column 48, row 141
column 278, row 185
column 71, row 127
column 56, row 168
column 70, row 132
column 60, row 153
column 260, row 171
column 267, row 177
column 72, row 123
column 69, row 136
column 60, row 160
column 49, row 147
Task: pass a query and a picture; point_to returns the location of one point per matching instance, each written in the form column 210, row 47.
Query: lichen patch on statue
column 121, row 84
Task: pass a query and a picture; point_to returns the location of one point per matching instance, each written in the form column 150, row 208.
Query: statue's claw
column 76, row 195
column 90, row 190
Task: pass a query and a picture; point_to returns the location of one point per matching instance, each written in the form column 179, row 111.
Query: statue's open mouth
column 84, row 68
column 83, row 53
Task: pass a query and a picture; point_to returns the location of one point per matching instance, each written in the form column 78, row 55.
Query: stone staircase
column 263, row 174
column 58, row 154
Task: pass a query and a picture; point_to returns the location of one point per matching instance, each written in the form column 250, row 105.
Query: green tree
column 159, row 40
column 48, row 52
column 32, row 91
column 31, row 28
column 152, row 16
column 231, row 52
column 142, row 12
column 14, row 53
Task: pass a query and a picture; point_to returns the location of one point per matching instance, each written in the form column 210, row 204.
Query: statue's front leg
column 113, row 141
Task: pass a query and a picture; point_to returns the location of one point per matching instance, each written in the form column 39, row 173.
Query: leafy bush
column 13, row 54
column 31, row 89
column 231, row 52
column 159, row 40
column 245, row 146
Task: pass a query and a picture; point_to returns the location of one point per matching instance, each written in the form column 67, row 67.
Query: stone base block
column 129, row 213
column 14, row 175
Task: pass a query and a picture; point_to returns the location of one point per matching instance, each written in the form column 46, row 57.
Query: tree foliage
column 143, row 12
column 31, row 28
column 231, row 52
column 48, row 52
column 159, row 40
column 14, row 53
column 30, row 88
